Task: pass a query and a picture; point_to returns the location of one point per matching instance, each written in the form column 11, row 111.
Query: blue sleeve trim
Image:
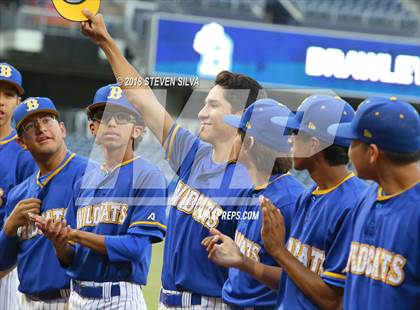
column 333, row 281
column 155, row 234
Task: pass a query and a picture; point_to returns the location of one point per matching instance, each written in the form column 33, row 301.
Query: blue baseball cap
column 31, row 106
column 11, row 75
column 391, row 124
column 112, row 95
column 316, row 114
column 255, row 121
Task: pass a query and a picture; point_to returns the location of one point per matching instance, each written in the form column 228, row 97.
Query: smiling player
column 207, row 177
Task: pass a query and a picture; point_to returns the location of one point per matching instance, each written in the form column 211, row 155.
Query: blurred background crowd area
column 268, row 39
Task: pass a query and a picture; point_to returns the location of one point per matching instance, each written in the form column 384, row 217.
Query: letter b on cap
column 32, row 104
column 5, row 71
column 115, row 93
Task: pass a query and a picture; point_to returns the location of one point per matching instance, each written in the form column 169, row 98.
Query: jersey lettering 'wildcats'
column 29, row 231
column 202, row 209
column 376, row 263
column 106, row 213
column 310, row 257
column 248, row 248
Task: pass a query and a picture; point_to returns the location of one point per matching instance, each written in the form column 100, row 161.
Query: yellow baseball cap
column 72, row 9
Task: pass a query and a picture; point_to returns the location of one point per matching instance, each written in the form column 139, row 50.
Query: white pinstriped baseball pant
column 9, row 295
column 130, row 298
column 207, row 303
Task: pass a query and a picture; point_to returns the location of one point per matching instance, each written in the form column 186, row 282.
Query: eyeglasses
column 47, row 121
column 121, row 118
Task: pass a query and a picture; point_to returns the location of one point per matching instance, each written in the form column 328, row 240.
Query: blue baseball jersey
column 205, row 191
column 383, row 267
column 39, row 270
column 16, row 165
column 319, row 237
column 241, row 289
column 127, row 205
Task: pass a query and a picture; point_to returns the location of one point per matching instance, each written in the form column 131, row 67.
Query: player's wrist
column 278, row 254
column 105, row 41
column 243, row 263
column 74, row 235
column 9, row 229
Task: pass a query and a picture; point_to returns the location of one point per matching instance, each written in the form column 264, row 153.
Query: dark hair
column 399, row 159
column 402, row 159
column 263, row 155
column 137, row 140
column 229, row 80
column 336, row 155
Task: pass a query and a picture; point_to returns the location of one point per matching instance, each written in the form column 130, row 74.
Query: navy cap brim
column 286, row 122
column 232, row 120
column 344, row 130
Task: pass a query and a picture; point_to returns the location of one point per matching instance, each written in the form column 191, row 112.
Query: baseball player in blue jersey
column 383, row 266
column 16, row 164
column 206, row 176
column 263, row 148
column 47, row 193
column 116, row 214
column 311, row 273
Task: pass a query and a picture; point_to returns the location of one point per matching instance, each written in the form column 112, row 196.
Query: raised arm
column 141, row 96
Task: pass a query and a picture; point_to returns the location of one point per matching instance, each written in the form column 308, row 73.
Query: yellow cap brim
column 73, row 11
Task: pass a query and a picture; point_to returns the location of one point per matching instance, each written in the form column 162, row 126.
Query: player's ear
column 63, row 129
column 248, row 143
column 373, row 153
column 315, row 145
column 137, row 131
column 18, row 101
column 92, row 128
column 251, row 143
column 21, row 142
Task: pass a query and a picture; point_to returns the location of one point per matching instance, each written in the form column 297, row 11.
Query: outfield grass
column 151, row 290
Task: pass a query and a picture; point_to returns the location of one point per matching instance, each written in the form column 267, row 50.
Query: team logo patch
column 312, row 126
column 72, row 9
column 32, row 104
column 367, row 134
column 5, row 70
column 115, row 93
